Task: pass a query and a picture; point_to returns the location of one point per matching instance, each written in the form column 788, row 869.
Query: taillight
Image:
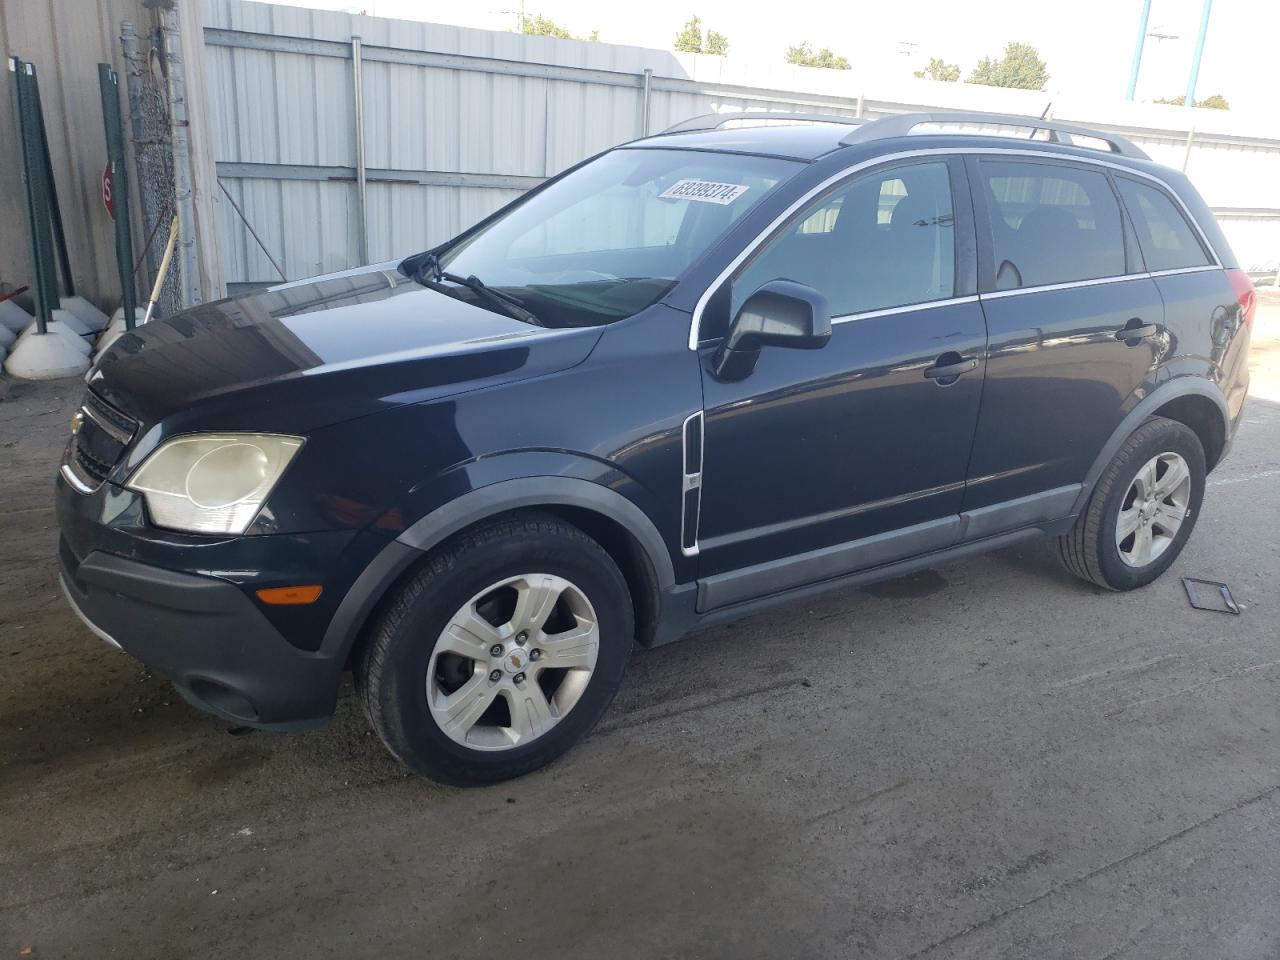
column 1245, row 293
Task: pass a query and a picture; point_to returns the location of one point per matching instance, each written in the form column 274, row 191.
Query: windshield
column 610, row 238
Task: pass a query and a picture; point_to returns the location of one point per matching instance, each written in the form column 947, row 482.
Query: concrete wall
column 66, row 40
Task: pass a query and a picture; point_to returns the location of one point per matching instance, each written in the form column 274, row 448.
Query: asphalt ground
column 989, row 760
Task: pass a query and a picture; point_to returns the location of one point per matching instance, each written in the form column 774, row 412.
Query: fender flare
column 470, row 508
column 513, row 494
column 1171, row 390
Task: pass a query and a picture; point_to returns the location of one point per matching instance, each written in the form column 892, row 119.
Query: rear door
column 1061, row 281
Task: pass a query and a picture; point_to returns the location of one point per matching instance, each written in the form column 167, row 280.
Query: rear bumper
column 206, row 636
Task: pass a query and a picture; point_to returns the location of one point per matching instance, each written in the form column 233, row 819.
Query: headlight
column 212, row 483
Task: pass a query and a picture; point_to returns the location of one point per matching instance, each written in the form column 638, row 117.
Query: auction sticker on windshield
column 704, row 191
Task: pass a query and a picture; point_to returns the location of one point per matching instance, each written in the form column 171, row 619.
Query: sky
column 1087, row 44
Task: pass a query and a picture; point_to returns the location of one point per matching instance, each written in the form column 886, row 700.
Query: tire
column 1094, row 551
column 503, row 572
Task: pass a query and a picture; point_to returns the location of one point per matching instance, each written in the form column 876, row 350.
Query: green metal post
column 37, row 219
column 55, row 208
column 109, row 88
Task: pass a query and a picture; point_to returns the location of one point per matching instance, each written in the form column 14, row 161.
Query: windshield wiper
column 430, row 274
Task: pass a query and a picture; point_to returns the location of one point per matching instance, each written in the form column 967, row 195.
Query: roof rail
column 902, row 124
column 713, row 121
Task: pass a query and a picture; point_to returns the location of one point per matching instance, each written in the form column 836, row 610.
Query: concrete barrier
column 93, row 318
column 46, row 356
column 13, row 317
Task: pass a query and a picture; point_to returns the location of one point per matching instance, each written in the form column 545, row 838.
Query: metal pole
column 1195, row 61
column 362, row 179
column 1186, row 153
column 1137, row 50
column 249, row 226
column 860, row 105
column 37, row 216
column 109, row 87
column 55, row 209
column 152, row 215
column 644, row 103
column 35, row 157
column 188, row 281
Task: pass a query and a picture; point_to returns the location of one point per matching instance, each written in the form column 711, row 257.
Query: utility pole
column 1195, row 61
column 184, row 205
column 1137, row 51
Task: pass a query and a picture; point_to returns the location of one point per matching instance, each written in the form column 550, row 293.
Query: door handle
column 954, row 366
column 1135, row 330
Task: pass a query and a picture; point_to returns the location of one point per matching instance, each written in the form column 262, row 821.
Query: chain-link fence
column 153, row 156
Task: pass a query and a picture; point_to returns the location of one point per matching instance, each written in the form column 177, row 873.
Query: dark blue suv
column 697, row 375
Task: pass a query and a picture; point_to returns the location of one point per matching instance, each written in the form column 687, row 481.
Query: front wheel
column 500, row 653
column 1142, row 510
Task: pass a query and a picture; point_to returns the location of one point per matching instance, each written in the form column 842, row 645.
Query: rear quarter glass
column 1167, row 240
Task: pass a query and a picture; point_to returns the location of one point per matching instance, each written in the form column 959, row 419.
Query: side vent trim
column 691, row 483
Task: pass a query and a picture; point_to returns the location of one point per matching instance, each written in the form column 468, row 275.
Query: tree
column 540, row 26
column 939, row 69
column 689, row 40
column 1215, row 102
column 802, row 55
column 1020, row 67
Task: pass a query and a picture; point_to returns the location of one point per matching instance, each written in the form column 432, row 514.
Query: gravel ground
column 988, row 760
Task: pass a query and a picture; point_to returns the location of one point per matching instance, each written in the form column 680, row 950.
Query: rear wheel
column 1142, row 510
column 500, row 653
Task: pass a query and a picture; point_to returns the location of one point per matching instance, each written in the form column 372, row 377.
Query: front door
column 821, row 462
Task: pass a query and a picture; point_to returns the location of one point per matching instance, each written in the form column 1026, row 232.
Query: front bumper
column 206, row 636
column 187, row 606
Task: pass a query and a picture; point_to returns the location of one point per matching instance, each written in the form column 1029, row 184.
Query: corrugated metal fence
column 455, row 122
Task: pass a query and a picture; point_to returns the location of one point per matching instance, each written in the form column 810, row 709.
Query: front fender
column 488, row 488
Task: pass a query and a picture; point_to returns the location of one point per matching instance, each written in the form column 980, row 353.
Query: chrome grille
column 99, row 439
column 111, row 419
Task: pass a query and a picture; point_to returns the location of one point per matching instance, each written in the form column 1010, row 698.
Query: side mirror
column 780, row 314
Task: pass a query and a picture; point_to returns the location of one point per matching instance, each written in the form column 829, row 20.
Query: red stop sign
column 107, row 200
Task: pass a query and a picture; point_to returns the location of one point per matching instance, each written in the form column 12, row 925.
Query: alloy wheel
column 1153, row 509
column 512, row 662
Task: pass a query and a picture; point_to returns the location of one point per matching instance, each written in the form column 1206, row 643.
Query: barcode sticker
column 704, row 191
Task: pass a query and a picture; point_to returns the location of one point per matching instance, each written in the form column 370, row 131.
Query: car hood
column 307, row 354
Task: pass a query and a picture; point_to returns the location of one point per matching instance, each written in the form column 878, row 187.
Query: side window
column 1051, row 224
column 885, row 240
column 1166, row 238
